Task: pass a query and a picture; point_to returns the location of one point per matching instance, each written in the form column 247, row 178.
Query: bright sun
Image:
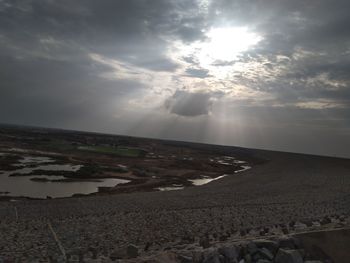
column 223, row 44
column 226, row 43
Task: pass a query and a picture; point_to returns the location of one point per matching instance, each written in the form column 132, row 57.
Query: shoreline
column 135, row 180
column 128, row 187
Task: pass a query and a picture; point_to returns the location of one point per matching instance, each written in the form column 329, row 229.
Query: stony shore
column 290, row 193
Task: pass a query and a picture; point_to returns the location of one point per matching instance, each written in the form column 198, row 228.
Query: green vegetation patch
column 58, row 145
column 120, row 151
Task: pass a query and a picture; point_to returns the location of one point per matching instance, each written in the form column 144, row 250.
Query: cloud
column 320, row 104
column 188, row 104
column 197, row 73
column 84, row 62
column 59, row 92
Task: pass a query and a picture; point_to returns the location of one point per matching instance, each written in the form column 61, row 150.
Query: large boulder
column 204, row 242
column 326, row 220
column 288, row 256
column 185, row 259
column 230, row 254
column 271, row 245
column 264, row 253
column 117, row 254
column 286, row 242
column 132, row 251
column 301, row 226
column 168, row 256
column 212, row 257
column 252, row 248
column 197, row 255
column 248, row 258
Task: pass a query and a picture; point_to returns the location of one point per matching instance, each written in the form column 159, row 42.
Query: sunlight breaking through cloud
column 222, row 45
column 120, row 65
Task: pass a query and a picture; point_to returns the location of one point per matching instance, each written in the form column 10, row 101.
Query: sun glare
column 223, row 44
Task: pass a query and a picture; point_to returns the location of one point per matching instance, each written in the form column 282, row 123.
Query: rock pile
column 282, row 250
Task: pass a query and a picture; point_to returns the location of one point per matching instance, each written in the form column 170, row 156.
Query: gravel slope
column 289, row 187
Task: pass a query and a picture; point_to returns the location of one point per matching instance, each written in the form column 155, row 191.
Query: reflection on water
column 205, row 180
column 224, row 160
column 24, row 186
column 51, row 177
column 59, row 167
column 171, row 188
column 244, row 168
column 34, row 160
column 49, row 167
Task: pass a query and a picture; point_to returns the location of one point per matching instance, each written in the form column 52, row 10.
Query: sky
column 272, row 74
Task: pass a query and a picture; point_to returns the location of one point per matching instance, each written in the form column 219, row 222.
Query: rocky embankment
column 87, row 239
column 278, row 250
column 269, row 249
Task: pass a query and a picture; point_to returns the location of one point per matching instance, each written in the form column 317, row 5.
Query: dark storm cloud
column 57, row 92
column 186, row 103
column 45, row 47
column 128, row 30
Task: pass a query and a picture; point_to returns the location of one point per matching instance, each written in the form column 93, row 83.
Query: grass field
column 60, row 145
column 120, row 151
